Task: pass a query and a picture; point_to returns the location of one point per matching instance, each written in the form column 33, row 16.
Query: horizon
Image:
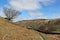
column 33, row 9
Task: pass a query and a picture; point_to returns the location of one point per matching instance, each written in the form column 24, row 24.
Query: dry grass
column 52, row 25
column 9, row 31
column 53, row 37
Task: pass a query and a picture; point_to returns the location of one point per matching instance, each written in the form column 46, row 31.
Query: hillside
column 48, row 28
column 32, row 23
column 10, row 31
column 44, row 25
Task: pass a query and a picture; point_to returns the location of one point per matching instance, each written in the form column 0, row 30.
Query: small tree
column 11, row 13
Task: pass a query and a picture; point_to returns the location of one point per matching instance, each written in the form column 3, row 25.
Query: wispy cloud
column 1, row 13
column 36, row 14
column 47, row 2
column 56, row 15
column 25, row 4
column 29, row 4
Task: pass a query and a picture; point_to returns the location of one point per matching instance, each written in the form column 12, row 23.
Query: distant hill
column 44, row 25
column 31, row 23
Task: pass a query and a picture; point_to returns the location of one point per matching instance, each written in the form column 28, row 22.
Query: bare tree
column 11, row 13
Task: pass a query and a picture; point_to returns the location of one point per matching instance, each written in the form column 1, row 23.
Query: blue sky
column 33, row 9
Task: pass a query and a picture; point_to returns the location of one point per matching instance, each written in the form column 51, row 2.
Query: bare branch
column 11, row 13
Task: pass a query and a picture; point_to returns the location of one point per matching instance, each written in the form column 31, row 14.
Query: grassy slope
column 44, row 25
column 52, row 25
column 32, row 23
column 9, row 31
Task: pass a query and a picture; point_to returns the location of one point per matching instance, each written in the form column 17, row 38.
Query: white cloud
column 36, row 14
column 1, row 13
column 56, row 15
column 25, row 4
column 29, row 4
column 47, row 2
